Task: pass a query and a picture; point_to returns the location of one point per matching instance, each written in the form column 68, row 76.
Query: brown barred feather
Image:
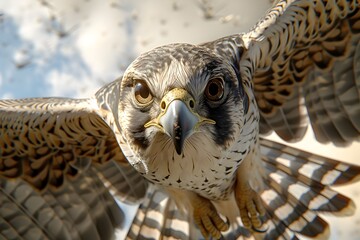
column 289, row 67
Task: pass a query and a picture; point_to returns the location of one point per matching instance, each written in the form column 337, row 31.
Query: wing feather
column 49, row 140
column 298, row 185
column 305, row 54
column 158, row 217
column 65, row 154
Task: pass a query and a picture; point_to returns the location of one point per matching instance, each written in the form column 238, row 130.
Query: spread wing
column 60, row 165
column 305, row 63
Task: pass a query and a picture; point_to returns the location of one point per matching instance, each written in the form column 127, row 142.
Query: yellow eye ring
column 142, row 93
column 214, row 90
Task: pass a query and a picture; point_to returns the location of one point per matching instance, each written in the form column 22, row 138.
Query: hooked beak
column 178, row 122
column 178, row 119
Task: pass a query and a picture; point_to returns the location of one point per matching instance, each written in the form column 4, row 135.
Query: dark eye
column 214, row 90
column 142, row 93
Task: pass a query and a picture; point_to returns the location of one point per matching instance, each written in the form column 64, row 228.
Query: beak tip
column 178, row 151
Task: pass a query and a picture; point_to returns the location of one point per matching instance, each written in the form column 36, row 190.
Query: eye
column 214, row 90
column 142, row 93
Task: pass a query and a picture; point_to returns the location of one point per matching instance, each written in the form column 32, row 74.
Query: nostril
column 163, row 105
column 191, row 103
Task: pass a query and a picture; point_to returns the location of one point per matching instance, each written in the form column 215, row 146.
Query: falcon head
column 180, row 102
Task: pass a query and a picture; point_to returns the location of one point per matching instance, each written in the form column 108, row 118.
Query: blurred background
column 70, row 48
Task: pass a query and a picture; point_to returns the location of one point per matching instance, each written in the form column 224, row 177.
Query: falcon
column 180, row 132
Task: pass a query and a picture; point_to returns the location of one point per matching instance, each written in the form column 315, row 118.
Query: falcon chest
column 202, row 168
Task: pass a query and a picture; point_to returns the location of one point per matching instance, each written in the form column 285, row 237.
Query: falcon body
column 188, row 118
column 209, row 152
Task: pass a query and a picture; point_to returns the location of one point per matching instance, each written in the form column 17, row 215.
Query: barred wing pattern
column 82, row 208
column 297, row 188
column 159, row 218
column 305, row 57
column 62, row 167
